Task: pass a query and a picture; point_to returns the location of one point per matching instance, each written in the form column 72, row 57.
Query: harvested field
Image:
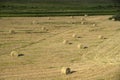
column 45, row 54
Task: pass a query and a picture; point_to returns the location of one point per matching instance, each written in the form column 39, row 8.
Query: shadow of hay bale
column 20, row 55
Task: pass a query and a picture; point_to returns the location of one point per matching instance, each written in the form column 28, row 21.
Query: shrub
column 115, row 17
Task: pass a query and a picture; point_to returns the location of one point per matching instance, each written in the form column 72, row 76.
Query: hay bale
column 33, row 22
column 49, row 18
column 14, row 53
column 100, row 37
column 82, row 22
column 44, row 29
column 82, row 19
column 79, row 46
column 65, row 70
column 113, row 19
column 72, row 17
column 85, row 15
column 94, row 25
column 74, row 35
column 12, row 31
column 65, row 41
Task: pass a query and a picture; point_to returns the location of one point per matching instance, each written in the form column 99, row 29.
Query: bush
column 115, row 17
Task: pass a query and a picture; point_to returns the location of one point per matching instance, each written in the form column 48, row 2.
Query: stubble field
column 40, row 41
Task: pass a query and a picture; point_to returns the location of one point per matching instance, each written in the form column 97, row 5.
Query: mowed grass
column 44, row 51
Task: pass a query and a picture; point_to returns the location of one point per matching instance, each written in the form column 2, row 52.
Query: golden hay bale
column 113, row 19
column 94, row 25
column 12, row 31
column 80, row 46
column 65, row 41
column 100, row 37
column 14, row 53
column 74, row 35
column 49, row 18
column 44, row 29
column 65, row 70
column 33, row 22
column 85, row 15
column 82, row 19
column 72, row 17
column 82, row 22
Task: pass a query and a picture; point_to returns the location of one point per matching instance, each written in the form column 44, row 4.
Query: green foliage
column 55, row 7
column 115, row 17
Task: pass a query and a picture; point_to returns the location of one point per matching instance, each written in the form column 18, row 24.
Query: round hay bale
column 14, row 53
column 93, row 25
column 49, row 18
column 44, row 29
column 113, row 19
column 80, row 46
column 65, row 70
column 33, row 22
column 82, row 22
column 100, row 37
column 72, row 17
column 74, row 35
column 12, row 31
column 82, row 19
column 85, row 15
column 65, row 41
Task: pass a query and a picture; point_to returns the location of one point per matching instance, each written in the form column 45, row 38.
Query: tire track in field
column 31, row 73
column 72, row 29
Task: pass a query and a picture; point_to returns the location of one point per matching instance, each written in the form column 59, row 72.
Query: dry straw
column 113, row 19
column 72, row 17
column 65, row 70
column 74, row 35
column 12, row 31
column 82, row 22
column 82, row 19
column 14, row 53
column 100, row 37
column 33, row 22
column 85, row 15
column 94, row 25
column 44, row 29
column 65, row 41
column 49, row 18
column 79, row 46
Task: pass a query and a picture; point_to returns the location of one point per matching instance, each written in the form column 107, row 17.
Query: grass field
column 37, row 8
column 44, row 53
